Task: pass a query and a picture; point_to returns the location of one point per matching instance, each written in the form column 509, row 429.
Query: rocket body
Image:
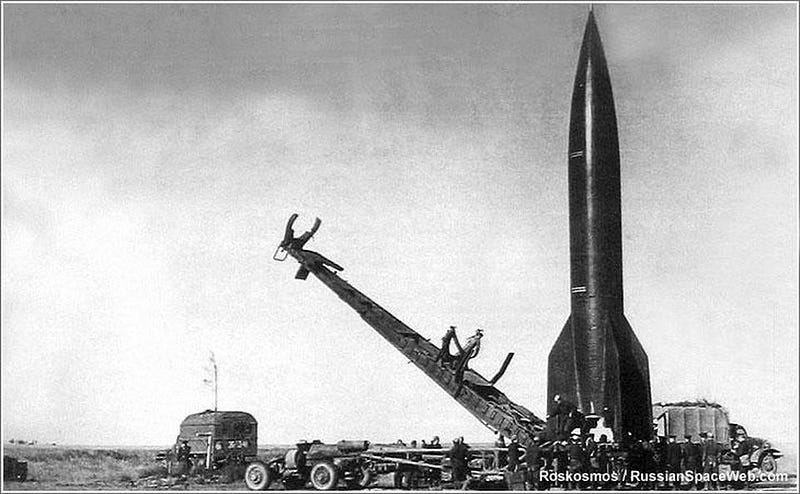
column 597, row 362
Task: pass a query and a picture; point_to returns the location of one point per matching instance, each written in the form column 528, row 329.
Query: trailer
column 323, row 466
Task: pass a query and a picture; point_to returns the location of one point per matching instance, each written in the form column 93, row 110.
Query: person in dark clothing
column 576, row 420
column 547, row 462
column 533, row 464
column 471, row 349
column 184, row 456
column 562, row 411
column 561, row 459
column 414, row 456
column 603, row 464
column 459, row 462
column 605, row 460
column 660, row 449
column 608, row 417
column 514, row 454
column 692, row 457
column 710, row 454
column 650, row 463
column 576, row 459
column 674, row 455
column 434, row 444
column 635, row 458
column 500, row 456
column 592, row 463
column 444, row 356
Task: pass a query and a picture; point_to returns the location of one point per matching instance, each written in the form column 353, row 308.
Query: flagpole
column 215, row 383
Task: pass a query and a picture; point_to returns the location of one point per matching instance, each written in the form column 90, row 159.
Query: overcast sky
column 152, row 154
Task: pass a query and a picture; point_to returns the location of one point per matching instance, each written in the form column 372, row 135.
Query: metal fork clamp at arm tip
column 309, row 261
column 290, row 242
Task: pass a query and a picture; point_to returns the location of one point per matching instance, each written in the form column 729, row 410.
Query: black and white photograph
column 395, row 246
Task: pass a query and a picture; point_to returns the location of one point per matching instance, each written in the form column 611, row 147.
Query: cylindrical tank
column 691, row 418
column 352, row 446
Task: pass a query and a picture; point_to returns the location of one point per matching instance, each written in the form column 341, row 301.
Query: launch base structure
column 470, row 389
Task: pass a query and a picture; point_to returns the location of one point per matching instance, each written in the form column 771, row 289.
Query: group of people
column 434, row 444
column 691, row 456
column 577, row 455
column 561, row 463
column 408, row 477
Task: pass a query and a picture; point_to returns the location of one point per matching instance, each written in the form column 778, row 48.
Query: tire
column 257, row 476
column 768, row 463
column 324, row 476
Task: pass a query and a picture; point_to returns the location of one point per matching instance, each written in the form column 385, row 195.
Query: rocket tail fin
column 634, row 381
column 617, row 386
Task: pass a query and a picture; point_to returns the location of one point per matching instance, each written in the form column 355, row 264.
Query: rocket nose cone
column 591, row 36
column 592, row 59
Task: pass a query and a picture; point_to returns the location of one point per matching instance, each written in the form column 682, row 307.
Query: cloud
column 149, row 167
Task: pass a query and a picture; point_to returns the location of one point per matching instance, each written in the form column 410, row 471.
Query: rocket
column 597, row 364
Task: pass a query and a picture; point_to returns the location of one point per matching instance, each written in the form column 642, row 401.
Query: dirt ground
column 83, row 469
column 121, row 486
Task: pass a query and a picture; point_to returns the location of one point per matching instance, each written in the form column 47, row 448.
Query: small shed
column 227, row 431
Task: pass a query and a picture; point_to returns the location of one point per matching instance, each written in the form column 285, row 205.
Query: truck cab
column 753, row 452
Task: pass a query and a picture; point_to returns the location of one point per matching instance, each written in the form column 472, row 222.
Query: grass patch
column 71, row 466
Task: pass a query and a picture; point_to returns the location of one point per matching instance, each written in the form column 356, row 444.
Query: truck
column 359, row 464
column 322, row 465
column 753, row 452
column 693, row 417
column 221, row 441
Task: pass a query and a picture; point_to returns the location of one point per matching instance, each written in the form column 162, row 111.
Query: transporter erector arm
column 474, row 392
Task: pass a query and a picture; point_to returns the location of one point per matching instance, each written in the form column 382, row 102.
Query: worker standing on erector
column 471, row 349
column 444, row 355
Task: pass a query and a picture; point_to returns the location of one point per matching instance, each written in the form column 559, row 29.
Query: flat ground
column 80, row 468
column 130, row 469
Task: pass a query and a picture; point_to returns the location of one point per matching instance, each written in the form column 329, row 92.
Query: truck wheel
column 768, row 463
column 257, row 476
column 324, row 476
